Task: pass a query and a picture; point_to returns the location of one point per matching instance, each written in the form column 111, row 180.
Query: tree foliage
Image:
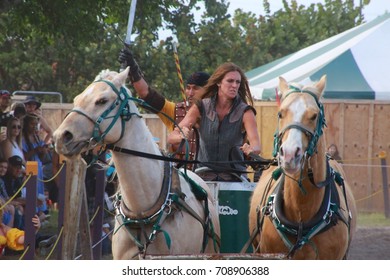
column 61, row 45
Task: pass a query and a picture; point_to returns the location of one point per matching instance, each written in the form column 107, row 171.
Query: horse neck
column 302, row 206
column 140, row 179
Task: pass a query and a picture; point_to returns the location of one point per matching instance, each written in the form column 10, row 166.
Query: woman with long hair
column 12, row 145
column 35, row 149
column 226, row 122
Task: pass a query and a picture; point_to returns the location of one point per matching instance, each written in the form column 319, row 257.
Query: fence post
column 75, row 183
column 61, row 183
column 30, row 210
column 97, row 224
column 382, row 156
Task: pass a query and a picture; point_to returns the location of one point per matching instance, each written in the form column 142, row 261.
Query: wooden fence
column 360, row 129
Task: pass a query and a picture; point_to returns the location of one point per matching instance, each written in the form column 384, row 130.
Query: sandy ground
column 371, row 243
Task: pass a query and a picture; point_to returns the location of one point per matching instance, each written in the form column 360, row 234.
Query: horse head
column 95, row 116
column 300, row 123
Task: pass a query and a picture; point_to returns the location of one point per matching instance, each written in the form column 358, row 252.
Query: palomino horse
column 303, row 207
column 160, row 210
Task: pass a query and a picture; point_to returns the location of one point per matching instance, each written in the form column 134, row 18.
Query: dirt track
column 370, row 243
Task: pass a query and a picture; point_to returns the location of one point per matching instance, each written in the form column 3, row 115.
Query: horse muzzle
column 65, row 143
column 291, row 159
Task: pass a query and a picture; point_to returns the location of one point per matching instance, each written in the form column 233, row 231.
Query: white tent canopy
column 356, row 63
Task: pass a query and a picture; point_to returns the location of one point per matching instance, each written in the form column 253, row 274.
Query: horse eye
column 101, row 101
column 314, row 117
column 279, row 115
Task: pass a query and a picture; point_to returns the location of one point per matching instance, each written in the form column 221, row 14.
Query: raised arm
column 136, row 76
column 46, row 127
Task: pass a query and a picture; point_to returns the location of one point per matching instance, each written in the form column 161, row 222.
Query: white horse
column 158, row 211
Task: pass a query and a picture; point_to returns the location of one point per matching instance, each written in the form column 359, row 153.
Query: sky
column 374, row 9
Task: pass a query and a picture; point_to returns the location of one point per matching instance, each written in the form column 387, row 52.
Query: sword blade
column 130, row 21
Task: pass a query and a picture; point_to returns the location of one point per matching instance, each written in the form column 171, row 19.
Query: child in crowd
column 13, row 238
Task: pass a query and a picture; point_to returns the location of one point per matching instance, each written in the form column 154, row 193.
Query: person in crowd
column 9, row 208
column 5, row 100
column 33, row 107
column 11, row 237
column 13, row 180
column 35, row 149
column 333, row 151
column 226, row 122
column 164, row 107
column 18, row 110
column 12, row 145
column 5, row 96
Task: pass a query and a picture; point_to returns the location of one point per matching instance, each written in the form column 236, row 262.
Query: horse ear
column 283, row 86
column 120, row 79
column 321, row 85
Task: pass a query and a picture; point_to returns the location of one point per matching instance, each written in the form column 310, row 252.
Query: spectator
column 225, row 121
column 35, row 149
column 9, row 209
column 176, row 112
column 18, row 110
column 13, row 181
column 33, row 107
column 13, row 238
column 333, row 151
column 12, row 145
column 5, row 99
column 5, row 96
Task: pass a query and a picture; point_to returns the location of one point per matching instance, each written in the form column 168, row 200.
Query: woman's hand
column 178, row 134
column 41, row 150
column 247, row 149
column 185, row 132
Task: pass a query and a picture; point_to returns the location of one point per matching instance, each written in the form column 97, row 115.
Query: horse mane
column 106, row 74
column 309, row 87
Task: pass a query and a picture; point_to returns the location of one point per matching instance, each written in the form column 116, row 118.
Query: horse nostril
column 297, row 152
column 68, row 136
column 281, row 151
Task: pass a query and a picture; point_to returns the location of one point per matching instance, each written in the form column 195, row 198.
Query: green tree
column 61, row 45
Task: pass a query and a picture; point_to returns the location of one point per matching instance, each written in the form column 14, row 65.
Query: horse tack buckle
column 92, row 143
column 168, row 206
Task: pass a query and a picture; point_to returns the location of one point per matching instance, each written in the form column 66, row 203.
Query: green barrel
column 234, row 201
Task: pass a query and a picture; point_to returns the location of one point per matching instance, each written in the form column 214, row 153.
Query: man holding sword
column 175, row 111
column 162, row 106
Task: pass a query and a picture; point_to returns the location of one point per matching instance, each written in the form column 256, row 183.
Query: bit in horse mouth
column 75, row 148
column 289, row 170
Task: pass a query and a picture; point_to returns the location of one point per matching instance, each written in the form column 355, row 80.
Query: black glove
column 126, row 58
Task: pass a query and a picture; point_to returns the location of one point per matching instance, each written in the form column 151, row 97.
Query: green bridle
column 123, row 113
column 312, row 135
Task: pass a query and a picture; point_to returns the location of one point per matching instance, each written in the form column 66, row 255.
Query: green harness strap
column 201, row 194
